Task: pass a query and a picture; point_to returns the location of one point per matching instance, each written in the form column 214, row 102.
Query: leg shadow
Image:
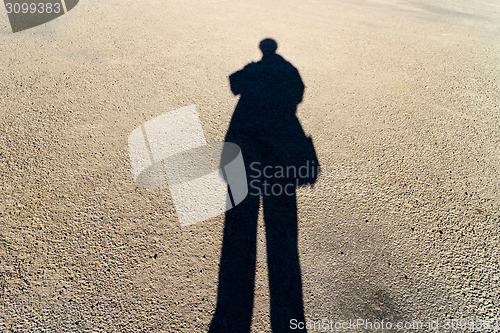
column 237, row 269
column 285, row 281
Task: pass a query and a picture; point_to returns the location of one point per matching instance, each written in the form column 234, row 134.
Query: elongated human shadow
column 274, row 147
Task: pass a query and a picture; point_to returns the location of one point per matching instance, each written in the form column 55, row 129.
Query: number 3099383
column 33, row 8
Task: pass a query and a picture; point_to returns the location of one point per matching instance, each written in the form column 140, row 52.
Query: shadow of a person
column 274, row 146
